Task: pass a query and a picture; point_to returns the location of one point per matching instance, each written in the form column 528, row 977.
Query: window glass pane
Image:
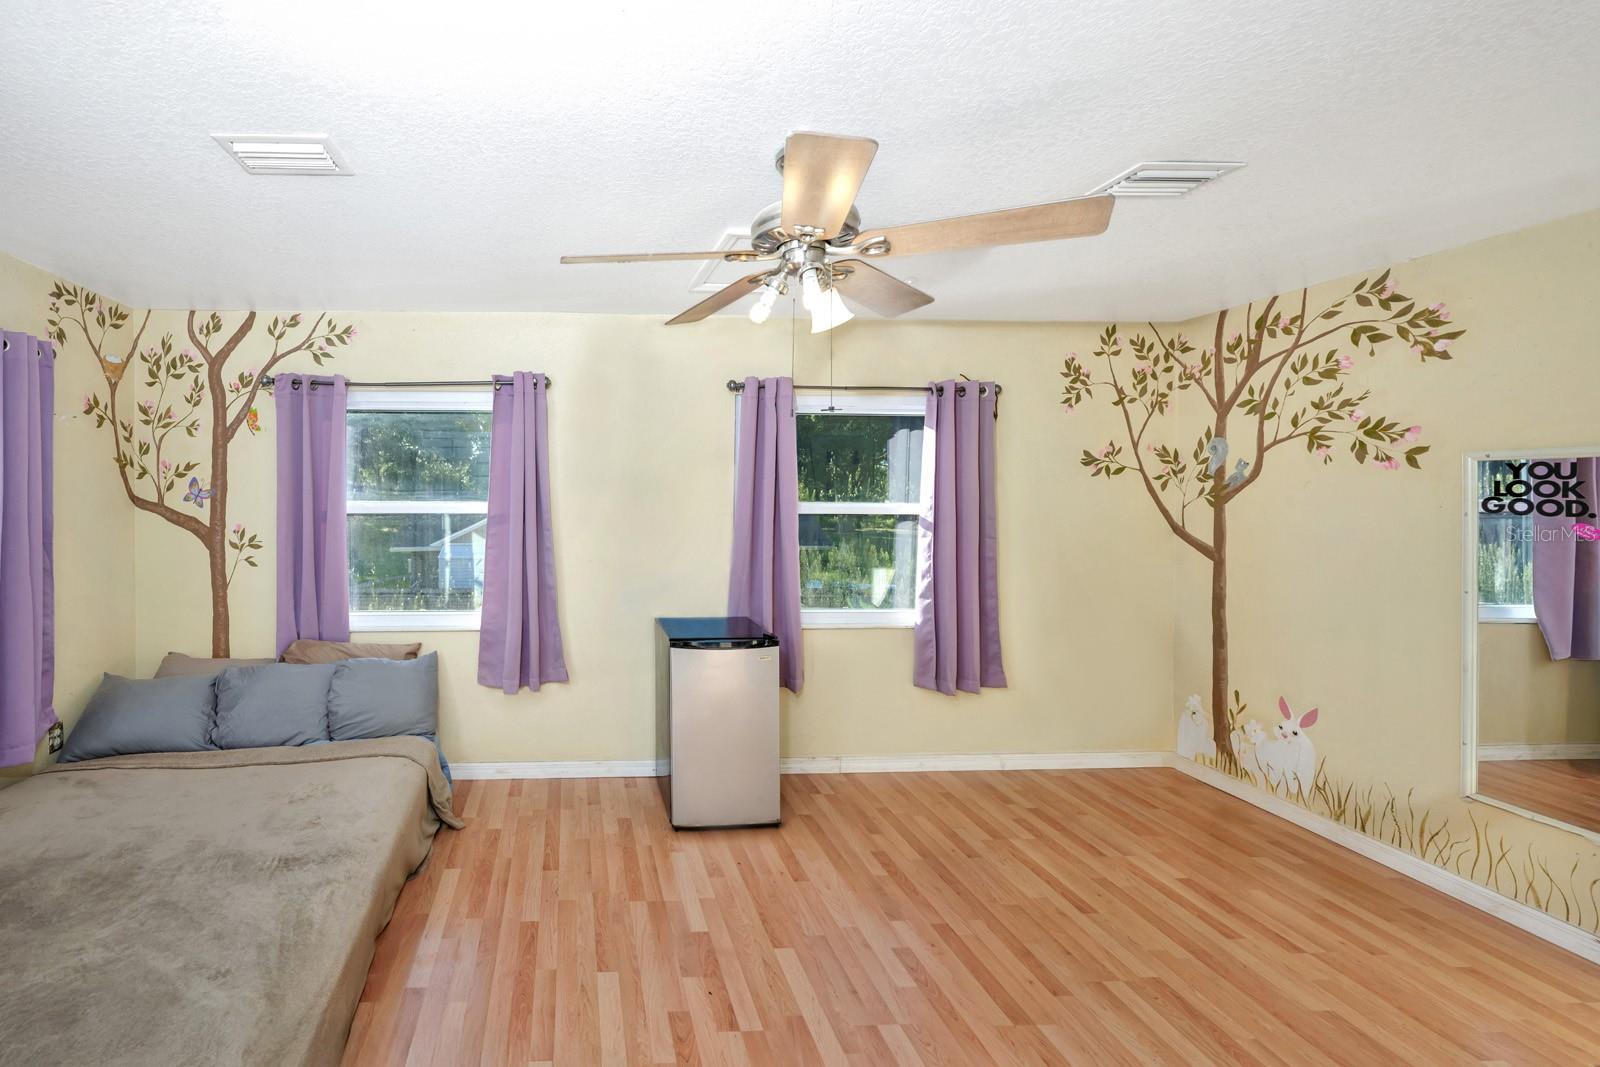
column 1505, row 547
column 418, row 455
column 859, row 458
column 416, row 562
column 858, row 561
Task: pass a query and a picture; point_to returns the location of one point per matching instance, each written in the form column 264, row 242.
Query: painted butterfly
column 197, row 494
column 252, row 419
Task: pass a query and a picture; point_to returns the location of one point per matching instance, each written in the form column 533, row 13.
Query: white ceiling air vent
column 715, row 274
column 283, row 154
column 1164, row 179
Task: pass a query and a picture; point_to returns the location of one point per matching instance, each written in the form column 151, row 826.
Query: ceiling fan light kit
column 814, row 239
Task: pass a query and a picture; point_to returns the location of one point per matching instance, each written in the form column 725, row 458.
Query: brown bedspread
column 205, row 907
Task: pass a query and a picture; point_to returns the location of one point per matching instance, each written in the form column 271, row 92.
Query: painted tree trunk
column 217, row 530
column 1221, row 726
column 217, row 552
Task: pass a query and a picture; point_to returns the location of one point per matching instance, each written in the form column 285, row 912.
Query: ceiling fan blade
column 730, row 255
column 871, row 287
column 721, row 298
column 821, row 174
column 1084, row 216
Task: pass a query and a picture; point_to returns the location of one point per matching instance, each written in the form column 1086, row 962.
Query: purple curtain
column 313, row 556
column 1566, row 577
column 958, row 599
column 764, row 581
column 27, row 512
column 520, row 640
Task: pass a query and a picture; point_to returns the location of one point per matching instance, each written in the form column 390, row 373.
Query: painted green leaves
column 85, row 304
column 244, row 545
column 327, row 335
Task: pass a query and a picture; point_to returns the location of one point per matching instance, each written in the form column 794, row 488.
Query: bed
column 215, row 907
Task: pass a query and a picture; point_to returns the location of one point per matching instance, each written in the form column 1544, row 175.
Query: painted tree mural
column 1282, row 377
column 191, row 395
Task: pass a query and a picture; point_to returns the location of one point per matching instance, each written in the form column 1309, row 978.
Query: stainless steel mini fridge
column 717, row 722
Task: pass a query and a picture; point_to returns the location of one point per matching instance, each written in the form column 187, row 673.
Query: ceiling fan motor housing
column 768, row 235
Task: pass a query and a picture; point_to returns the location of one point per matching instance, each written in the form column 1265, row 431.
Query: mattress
column 205, row 907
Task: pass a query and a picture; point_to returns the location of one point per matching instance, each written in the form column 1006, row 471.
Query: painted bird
column 1217, row 449
column 1239, row 470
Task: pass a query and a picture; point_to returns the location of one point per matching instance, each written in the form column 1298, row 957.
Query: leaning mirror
column 1531, row 731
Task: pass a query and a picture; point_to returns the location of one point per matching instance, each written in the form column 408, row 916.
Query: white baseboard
column 1491, row 753
column 1540, row 924
column 983, row 761
column 642, row 768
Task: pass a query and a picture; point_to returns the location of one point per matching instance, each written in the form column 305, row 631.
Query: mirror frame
column 1470, row 622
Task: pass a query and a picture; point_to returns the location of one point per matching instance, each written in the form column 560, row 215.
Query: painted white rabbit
column 1289, row 759
column 1194, row 731
column 1246, row 740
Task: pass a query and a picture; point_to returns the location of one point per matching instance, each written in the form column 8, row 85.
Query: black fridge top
column 716, row 632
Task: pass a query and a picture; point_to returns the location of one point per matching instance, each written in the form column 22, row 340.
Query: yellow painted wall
column 1345, row 586
column 641, row 444
column 1527, row 698
column 94, row 558
column 1346, row 580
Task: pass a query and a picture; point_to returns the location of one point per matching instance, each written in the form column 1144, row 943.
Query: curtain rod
column 271, row 379
column 737, row 386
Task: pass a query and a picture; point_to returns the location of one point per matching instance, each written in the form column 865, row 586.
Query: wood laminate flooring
column 1025, row 917
column 1565, row 789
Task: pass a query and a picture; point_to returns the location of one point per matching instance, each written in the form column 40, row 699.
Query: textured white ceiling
column 491, row 138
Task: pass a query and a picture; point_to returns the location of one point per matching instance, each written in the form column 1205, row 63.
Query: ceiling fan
column 813, row 238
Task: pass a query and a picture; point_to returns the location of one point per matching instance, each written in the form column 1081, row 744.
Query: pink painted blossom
column 1413, row 432
column 1387, row 290
column 1106, row 451
column 1346, row 362
column 1322, row 450
column 1066, row 409
column 352, row 332
column 238, row 527
column 1142, row 368
column 1358, row 414
column 1442, row 344
column 1390, row 465
column 1416, row 350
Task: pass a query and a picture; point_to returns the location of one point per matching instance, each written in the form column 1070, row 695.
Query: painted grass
column 1479, row 852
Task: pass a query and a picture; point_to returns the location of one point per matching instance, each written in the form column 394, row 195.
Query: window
column 1505, row 554
column 417, row 503
column 860, row 466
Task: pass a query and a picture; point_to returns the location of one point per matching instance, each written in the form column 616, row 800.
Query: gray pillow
column 384, row 698
column 272, row 704
column 176, row 663
column 130, row 715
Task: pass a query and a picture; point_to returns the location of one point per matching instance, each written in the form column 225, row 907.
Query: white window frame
column 417, row 400
column 1506, row 613
column 863, row 402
